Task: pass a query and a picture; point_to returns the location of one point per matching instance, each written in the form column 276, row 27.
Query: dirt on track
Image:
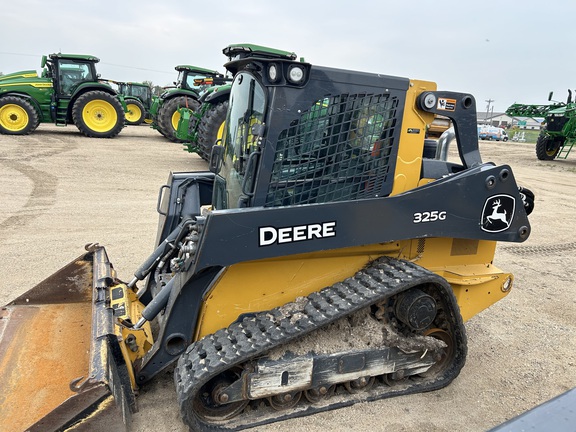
column 61, row 190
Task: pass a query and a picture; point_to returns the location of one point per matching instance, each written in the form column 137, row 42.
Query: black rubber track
column 256, row 334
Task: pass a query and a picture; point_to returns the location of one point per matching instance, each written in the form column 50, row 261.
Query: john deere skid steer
column 320, row 262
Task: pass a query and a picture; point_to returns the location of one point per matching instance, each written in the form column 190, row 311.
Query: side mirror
column 43, row 62
column 216, row 157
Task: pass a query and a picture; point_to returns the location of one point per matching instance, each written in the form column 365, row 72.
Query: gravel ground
column 61, row 190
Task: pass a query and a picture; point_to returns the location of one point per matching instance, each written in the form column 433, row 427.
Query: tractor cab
column 70, row 70
column 142, row 92
column 192, row 77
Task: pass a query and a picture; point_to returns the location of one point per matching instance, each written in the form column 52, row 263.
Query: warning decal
column 446, row 104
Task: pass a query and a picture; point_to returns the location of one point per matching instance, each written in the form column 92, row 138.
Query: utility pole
column 488, row 108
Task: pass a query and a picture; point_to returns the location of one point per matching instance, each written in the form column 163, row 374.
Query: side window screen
column 341, row 148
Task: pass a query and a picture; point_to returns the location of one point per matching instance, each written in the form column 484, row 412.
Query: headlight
column 295, row 74
column 507, row 285
column 273, row 72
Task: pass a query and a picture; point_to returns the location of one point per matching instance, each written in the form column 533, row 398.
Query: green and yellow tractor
column 191, row 83
column 202, row 128
column 139, row 99
column 68, row 91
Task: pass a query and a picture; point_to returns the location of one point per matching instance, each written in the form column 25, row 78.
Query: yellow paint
column 467, row 266
column 37, row 85
column 220, row 132
column 99, row 115
column 13, row 117
column 134, row 112
column 476, row 286
column 24, row 75
column 133, row 312
column 101, row 408
column 42, row 85
column 265, row 284
column 175, row 119
column 409, row 160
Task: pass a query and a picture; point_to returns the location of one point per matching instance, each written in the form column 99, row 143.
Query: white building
column 505, row 121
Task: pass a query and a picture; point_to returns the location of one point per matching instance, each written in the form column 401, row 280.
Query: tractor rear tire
column 168, row 117
column 17, row 116
column 98, row 114
column 211, row 128
column 136, row 112
column 547, row 148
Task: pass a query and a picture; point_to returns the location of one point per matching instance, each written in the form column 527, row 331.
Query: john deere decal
column 498, row 213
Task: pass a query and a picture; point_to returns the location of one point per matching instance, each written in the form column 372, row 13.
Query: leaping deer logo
column 496, row 215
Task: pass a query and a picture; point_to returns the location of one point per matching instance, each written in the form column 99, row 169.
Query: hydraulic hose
column 169, row 242
column 158, row 303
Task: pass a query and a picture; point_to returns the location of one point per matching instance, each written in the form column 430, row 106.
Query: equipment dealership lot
column 60, row 190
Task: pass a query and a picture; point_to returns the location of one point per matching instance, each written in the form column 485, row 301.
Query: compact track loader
column 322, row 261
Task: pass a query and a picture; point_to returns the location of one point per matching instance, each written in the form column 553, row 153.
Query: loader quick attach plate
column 224, row 353
column 57, row 360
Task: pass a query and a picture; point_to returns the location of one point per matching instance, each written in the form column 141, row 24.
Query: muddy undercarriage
column 392, row 329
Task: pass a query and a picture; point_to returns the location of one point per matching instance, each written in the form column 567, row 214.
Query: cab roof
column 197, row 70
column 75, row 57
column 252, row 50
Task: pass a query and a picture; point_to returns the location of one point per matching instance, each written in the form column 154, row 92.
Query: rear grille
column 342, row 148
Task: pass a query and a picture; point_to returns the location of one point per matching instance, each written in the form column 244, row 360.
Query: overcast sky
column 507, row 51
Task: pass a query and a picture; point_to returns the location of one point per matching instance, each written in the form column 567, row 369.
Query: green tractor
column 139, row 99
column 559, row 133
column 192, row 81
column 200, row 129
column 68, row 91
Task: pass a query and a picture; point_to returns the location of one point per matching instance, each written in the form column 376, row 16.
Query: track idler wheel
column 315, row 395
column 359, row 385
column 447, row 354
column 211, row 402
column 285, row 400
